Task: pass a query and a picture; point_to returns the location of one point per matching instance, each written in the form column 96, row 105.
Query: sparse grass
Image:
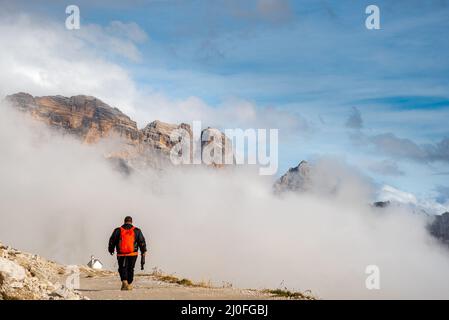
column 185, row 282
column 160, row 276
column 285, row 293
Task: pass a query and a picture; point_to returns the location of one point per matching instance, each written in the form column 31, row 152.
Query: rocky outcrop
column 295, row 179
column 381, row 204
column 87, row 117
column 213, row 140
column 24, row 276
column 91, row 120
column 156, row 135
column 439, row 228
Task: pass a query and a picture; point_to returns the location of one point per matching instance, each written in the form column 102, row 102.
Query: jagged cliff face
column 295, row 179
column 216, row 141
column 88, row 117
column 439, row 228
column 91, row 120
column 156, row 135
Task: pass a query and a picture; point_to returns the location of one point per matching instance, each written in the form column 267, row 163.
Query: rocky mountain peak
column 439, row 228
column 295, row 179
column 90, row 119
column 87, row 117
column 156, row 136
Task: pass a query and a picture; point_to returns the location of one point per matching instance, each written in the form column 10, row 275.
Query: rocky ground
column 30, row 277
column 24, row 276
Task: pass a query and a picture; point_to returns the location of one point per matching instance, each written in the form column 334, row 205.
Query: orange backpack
column 126, row 244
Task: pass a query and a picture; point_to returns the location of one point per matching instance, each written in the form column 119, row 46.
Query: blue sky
column 377, row 98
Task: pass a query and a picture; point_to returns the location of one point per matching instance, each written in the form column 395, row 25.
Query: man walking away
column 127, row 240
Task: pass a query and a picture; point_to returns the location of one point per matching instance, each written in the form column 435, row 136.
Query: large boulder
column 24, row 276
column 11, row 272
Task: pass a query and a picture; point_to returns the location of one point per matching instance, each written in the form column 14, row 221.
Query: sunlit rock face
column 216, row 147
column 88, row 117
column 91, row 120
column 157, row 135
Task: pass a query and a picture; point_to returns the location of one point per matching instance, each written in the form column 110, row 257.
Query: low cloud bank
column 62, row 199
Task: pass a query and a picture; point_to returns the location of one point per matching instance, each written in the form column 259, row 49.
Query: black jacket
column 139, row 242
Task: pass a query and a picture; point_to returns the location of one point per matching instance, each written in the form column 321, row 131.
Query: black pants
column 126, row 268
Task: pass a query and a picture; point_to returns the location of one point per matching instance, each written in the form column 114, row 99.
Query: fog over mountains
column 90, row 120
column 314, row 228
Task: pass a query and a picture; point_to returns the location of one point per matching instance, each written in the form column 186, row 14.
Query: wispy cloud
column 117, row 38
column 386, row 167
column 354, row 120
column 409, row 102
column 44, row 58
column 443, row 194
column 403, row 148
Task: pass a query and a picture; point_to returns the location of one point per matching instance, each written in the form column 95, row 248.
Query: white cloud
column 311, row 243
column 389, row 193
column 43, row 58
column 117, row 38
column 211, row 224
column 129, row 30
column 386, row 167
column 426, row 204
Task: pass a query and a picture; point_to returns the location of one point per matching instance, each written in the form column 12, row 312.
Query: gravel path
column 146, row 287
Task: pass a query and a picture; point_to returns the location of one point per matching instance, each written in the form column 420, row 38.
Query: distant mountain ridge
column 295, row 179
column 299, row 180
column 439, row 228
column 85, row 116
column 91, row 120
